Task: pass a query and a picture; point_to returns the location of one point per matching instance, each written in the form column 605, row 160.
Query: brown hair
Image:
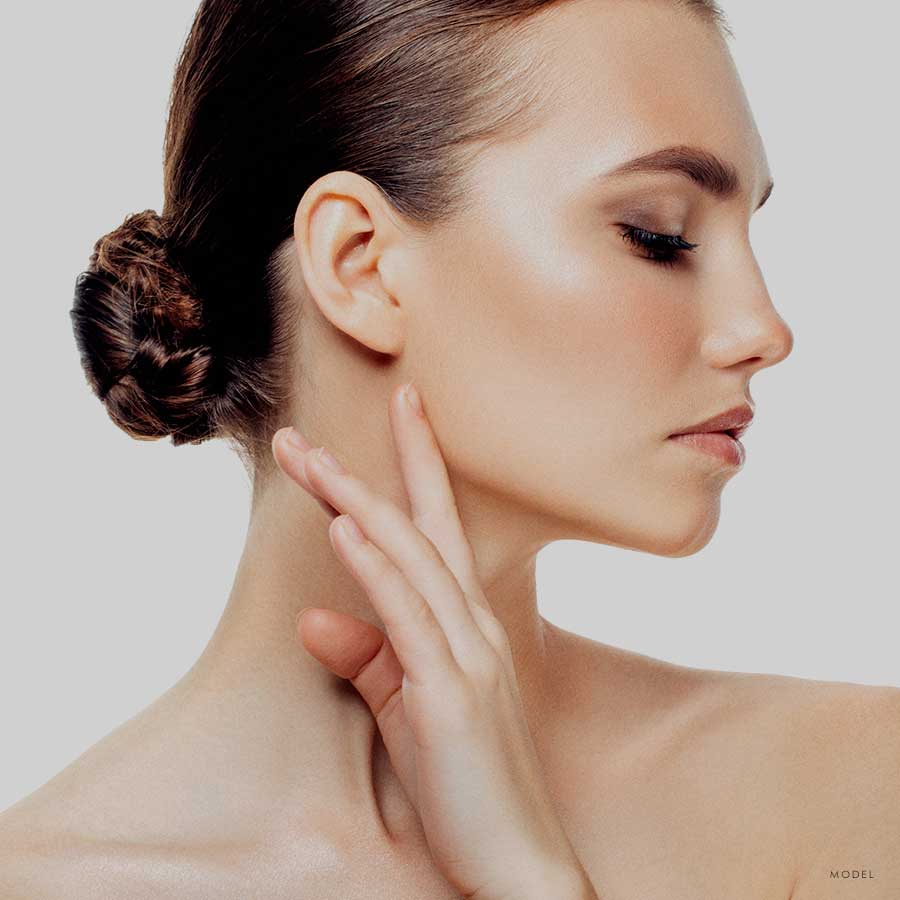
column 181, row 319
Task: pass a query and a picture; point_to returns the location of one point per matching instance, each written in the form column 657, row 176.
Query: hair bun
column 140, row 332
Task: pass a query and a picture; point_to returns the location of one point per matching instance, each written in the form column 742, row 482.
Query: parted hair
column 183, row 319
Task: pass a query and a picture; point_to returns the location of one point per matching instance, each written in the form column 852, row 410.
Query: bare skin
column 556, row 360
column 671, row 783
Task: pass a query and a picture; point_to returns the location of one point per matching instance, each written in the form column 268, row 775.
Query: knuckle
column 421, row 620
column 416, row 626
column 391, row 705
column 423, row 614
column 486, row 670
column 462, row 705
column 440, row 711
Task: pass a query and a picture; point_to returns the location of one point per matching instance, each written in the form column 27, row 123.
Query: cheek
column 542, row 360
column 559, row 337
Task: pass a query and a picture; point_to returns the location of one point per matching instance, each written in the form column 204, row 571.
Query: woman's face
column 556, row 358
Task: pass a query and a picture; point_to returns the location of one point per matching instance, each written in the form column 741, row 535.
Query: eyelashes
column 663, row 249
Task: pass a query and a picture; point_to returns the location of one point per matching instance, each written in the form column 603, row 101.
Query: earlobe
column 340, row 235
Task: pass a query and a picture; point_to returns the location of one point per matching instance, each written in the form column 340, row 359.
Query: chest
column 678, row 812
column 660, row 829
column 643, row 847
column 679, row 837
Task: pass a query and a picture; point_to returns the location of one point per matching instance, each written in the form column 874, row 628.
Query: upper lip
column 734, row 421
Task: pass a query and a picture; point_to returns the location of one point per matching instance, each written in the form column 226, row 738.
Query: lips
column 733, row 422
column 714, row 443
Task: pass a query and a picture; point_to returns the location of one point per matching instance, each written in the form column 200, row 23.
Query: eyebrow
column 711, row 172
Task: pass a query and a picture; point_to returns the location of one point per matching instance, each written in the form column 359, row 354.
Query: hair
column 183, row 320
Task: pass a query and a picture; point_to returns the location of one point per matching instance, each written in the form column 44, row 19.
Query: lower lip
column 715, row 443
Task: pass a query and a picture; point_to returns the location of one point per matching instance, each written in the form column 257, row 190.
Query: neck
column 297, row 729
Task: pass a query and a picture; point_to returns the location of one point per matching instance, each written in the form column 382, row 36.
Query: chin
column 684, row 531
column 690, row 536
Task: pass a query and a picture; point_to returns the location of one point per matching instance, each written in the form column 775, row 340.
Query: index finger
column 433, row 507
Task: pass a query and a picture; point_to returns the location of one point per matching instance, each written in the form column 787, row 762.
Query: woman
column 537, row 213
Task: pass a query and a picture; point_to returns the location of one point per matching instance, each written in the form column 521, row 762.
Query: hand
column 441, row 683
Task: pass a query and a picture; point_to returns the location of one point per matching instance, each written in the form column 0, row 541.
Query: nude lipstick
column 719, row 435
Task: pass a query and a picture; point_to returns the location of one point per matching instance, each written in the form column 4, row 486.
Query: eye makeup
column 663, row 249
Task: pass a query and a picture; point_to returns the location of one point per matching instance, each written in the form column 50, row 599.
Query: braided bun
column 140, row 332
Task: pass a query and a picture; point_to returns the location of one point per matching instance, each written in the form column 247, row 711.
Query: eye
column 663, row 249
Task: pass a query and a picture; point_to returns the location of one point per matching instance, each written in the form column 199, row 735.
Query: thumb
column 362, row 653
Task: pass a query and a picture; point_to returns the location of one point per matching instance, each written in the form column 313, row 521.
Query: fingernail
column 413, row 398
column 327, row 459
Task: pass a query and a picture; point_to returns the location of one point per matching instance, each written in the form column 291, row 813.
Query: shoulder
column 798, row 714
column 846, row 764
column 37, row 861
column 47, row 849
column 30, row 865
column 841, row 737
column 812, row 764
column 824, row 759
column 818, row 764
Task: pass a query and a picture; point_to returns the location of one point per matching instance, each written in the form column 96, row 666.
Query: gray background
column 120, row 554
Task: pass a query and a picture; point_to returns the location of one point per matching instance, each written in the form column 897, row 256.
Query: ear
column 342, row 229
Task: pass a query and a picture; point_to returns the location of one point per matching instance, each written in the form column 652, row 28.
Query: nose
column 748, row 329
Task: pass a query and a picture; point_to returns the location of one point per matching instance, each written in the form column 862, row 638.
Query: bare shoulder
column 799, row 706
column 34, row 864
column 802, row 774
column 49, row 850
column 46, row 855
column 39, row 862
column 326, row 861
column 70, row 866
column 836, row 763
column 846, row 743
column 816, row 733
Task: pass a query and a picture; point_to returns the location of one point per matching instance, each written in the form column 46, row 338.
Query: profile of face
column 556, row 357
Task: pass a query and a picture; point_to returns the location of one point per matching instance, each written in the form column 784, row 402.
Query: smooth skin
column 553, row 359
column 440, row 681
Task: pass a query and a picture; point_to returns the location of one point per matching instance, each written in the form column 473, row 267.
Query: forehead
column 622, row 78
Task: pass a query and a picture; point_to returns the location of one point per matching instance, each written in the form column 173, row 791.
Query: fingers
column 403, row 554
column 361, row 653
column 399, row 609
column 342, row 643
column 432, row 551
column 417, row 637
column 432, row 503
column 297, row 472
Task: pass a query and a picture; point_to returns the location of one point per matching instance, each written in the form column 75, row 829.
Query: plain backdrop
column 119, row 554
